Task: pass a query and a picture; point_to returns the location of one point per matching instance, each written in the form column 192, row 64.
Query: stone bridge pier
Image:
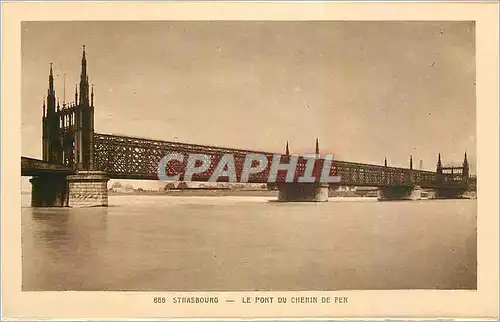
column 315, row 192
column 49, row 191
column 309, row 192
column 83, row 189
column 399, row 193
column 450, row 193
column 88, row 189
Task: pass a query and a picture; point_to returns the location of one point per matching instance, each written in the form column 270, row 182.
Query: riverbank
column 200, row 192
column 234, row 193
column 244, row 193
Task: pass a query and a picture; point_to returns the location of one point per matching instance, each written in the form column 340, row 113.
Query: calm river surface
column 185, row 243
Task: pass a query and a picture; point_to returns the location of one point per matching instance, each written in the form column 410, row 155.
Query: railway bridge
column 77, row 163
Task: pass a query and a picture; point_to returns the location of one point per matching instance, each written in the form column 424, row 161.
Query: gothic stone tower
column 68, row 130
column 68, row 138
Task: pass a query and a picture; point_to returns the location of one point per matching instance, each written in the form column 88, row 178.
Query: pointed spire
column 84, row 64
column 465, row 167
column 51, row 78
column 439, row 166
column 385, row 162
column 44, row 107
column 317, row 146
column 51, row 93
column 64, row 90
column 466, row 162
column 51, row 81
column 411, row 162
column 84, row 81
column 92, row 96
column 287, row 151
column 76, row 93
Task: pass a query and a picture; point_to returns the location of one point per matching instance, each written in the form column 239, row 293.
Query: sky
column 367, row 90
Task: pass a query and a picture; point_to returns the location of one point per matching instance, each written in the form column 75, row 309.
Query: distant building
column 222, row 186
column 364, row 188
column 127, row 188
column 116, row 186
column 183, row 185
column 169, row 186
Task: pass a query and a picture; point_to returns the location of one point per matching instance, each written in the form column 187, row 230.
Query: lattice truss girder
column 128, row 157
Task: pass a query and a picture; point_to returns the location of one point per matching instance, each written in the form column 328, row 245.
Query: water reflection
column 63, row 245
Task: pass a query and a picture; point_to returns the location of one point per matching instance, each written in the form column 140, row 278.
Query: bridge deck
column 36, row 167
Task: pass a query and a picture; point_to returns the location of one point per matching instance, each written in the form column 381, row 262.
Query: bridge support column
column 450, row 193
column 88, row 189
column 49, row 191
column 400, row 193
column 312, row 192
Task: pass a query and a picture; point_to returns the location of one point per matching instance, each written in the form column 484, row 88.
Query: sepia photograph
column 236, row 160
column 105, row 103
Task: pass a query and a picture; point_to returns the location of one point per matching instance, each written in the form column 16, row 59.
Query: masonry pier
column 49, row 191
column 450, row 193
column 400, row 193
column 88, row 189
column 83, row 189
column 315, row 192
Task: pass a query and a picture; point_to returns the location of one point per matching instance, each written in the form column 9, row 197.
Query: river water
column 162, row 243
